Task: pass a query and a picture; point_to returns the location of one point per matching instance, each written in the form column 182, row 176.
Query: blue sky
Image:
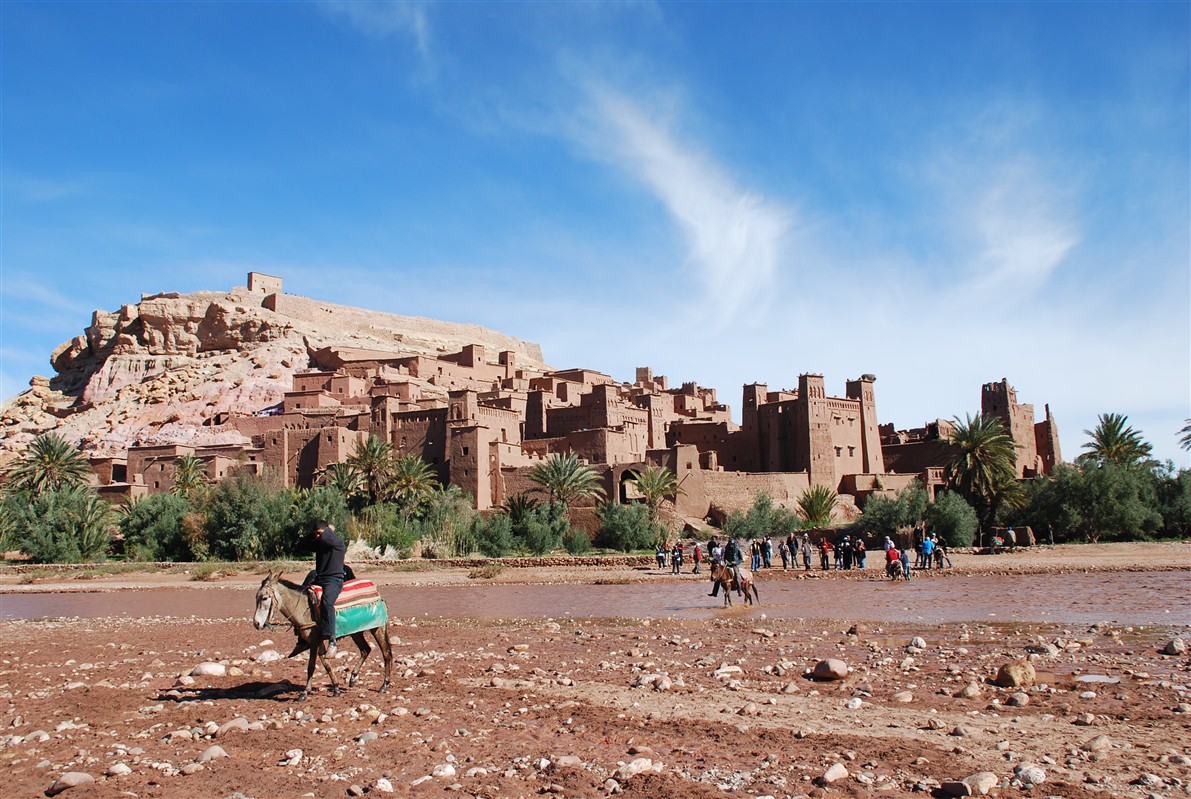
column 940, row 194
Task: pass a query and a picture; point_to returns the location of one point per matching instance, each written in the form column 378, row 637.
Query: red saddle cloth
column 355, row 592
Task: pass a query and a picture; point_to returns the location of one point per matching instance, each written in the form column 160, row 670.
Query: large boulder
column 830, row 669
column 1016, row 674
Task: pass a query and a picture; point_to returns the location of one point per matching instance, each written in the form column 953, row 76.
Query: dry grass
column 486, row 572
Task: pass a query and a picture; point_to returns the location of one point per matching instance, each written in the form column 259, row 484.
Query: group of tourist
column 846, row 553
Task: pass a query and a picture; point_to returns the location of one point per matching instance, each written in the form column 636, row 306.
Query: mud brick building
column 482, row 420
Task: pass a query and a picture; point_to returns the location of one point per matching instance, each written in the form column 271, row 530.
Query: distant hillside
column 155, row 371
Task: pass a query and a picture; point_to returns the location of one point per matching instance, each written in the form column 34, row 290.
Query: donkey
column 288, row 599
column 722, row 575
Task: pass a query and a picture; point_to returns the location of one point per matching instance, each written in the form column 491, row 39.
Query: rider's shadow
column 249, row 690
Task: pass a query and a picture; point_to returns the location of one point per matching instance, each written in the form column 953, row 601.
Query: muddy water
column 1121, row 597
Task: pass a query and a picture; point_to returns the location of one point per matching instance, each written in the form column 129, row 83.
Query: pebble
column 191, row 768
column 445, row 770
column 118, row 769
column 903, row 696
column 837, row 772
column 1100, row 743
column 982, row 782
column 382, row 785
column 637, row 766
column 268, row 656
column 209, row 670
column 918, row 643
column 1176, row 646
column 971, row 690
column 1019, row 699
column 231, row 725
column 1030, row 774
column 212, row 753
column 71, row 779
column 854, row 703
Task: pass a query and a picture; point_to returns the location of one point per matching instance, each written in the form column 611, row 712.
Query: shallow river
column 1118, row 597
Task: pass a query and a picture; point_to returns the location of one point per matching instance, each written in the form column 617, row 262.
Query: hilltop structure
column 483, row 418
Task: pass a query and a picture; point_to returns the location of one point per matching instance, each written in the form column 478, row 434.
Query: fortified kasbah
column 256, row 379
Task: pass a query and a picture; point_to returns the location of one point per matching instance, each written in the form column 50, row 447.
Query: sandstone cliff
column 154, row 372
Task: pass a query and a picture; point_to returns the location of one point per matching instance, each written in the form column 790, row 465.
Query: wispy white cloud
column 387, row 17
column 733, row 236
column 1020, row 227
column 27, row 294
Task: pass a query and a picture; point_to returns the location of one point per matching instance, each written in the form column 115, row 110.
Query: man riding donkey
column 733, row 557
column 328, row 574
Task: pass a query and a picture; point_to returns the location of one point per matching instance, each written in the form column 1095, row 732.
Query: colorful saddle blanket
column 358, row 608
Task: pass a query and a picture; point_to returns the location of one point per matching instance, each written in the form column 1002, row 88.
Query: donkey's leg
column 727, row 595
column 381, row 634
column 756, row 596
column 314, row 642
column 322, row 657
column 365, row 650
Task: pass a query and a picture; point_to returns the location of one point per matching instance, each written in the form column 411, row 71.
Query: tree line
column 1114, row 491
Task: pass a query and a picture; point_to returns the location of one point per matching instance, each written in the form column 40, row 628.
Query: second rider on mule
column 329, row 573
column 733, row 557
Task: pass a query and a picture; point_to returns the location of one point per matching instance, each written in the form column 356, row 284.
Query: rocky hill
column 155, row 371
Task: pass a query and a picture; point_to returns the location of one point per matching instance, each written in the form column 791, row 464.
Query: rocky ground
column 173, row 706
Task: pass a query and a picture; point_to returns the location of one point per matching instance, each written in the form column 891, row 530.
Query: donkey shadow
column 273, row 691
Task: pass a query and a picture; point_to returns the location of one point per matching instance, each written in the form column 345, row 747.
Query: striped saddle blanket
column 358, row 608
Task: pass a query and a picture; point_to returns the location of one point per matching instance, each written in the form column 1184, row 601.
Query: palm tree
column 655, row 484
column 1114, row 442
column 373, row 460
column 565, row 480
column 411, row 482
column 1185, row 441
column 49, row 463
column 190, row 476
column 518, row 508
column 817, row 504
column 342, row 478
column 983, row 464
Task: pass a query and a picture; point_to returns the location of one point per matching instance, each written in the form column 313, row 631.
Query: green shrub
column 626, row 527
column 249, row 518
column 493, row 536
column 321, row 502
column 545, row 528
column 953, row 519
column 65, row 525
column 762, row 519
column 1094, row 503
column 577, row 542
column 885, row 516
column 155, row 529
column 384, row 526
column 445, row 524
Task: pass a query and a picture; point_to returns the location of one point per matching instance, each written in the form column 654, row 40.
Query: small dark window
column 465, row 450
